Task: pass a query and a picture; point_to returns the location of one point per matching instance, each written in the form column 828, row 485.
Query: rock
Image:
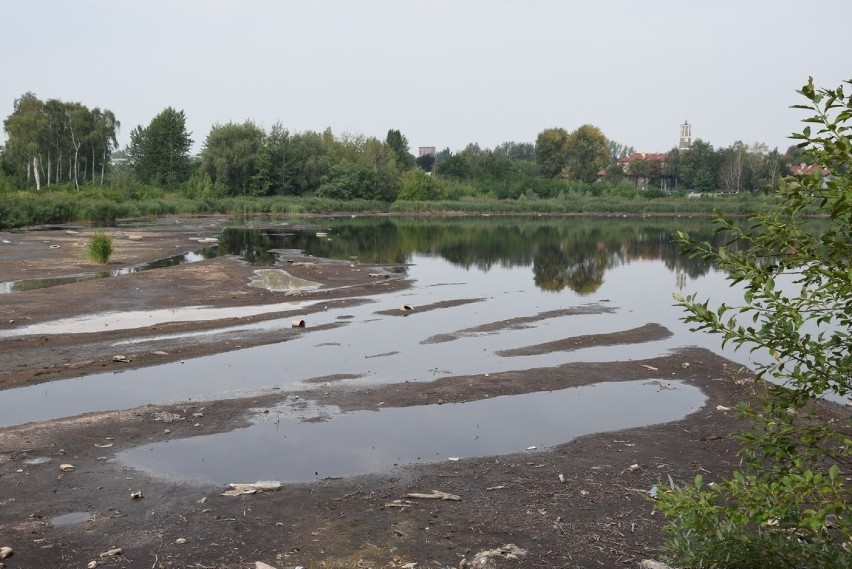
column 651, row 564
column 66, row 467
column 262, row 565
column 92, row 565
column 5, row 552
column 633, row 467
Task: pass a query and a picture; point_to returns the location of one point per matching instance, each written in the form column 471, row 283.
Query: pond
column 616, row 275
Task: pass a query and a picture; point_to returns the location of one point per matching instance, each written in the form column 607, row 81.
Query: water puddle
column 141, row 319
column 279, row 280
column 256, row 247
column 46, row 282
column 72, row 519
column 281, row 446
column 36, row 460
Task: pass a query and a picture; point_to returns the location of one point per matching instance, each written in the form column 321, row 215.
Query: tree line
column 53, row 141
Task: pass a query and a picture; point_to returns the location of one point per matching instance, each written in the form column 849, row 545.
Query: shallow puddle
column 72, row 519
column 141, row 319
column 280, row 446
column 47, row 282
column 36, row 460
column 278, row 280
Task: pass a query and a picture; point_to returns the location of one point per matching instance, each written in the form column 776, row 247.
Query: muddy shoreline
column 579, row 504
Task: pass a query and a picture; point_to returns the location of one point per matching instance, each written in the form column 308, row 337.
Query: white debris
column 238, row 489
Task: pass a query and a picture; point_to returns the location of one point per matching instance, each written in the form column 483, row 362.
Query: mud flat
column 581, row 503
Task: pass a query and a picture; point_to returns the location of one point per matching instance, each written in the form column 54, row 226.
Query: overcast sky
column 444, row 72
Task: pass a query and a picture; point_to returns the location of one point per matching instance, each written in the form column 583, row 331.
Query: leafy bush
column 99, row 247
column 790, row 505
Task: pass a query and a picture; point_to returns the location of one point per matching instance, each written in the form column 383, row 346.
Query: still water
column 621, row 272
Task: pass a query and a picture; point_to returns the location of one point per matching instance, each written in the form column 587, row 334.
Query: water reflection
column 565, row 253
column 282, row 447
column 46, row 282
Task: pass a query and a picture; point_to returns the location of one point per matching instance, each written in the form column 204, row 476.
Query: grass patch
column 99, row 248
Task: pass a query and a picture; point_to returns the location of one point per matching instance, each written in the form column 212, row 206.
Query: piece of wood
column 435, row 495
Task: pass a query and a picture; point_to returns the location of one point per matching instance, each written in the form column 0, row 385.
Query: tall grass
column 104, row 206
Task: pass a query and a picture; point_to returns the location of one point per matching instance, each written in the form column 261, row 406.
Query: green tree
column 347, row 180
column 790, row 505
column 159, row 152
column 417, row 185
column 399, row 145
column 586, row 153
column 231, row 158
column 28, row 131
column 425, row 162
column 522, row 151
column 551, row 151
column 698, row 167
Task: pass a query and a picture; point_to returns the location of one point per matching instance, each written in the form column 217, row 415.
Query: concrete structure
column 685, row 136
column 427, row 151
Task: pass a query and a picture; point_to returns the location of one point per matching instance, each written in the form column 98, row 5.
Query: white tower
column 685, row 136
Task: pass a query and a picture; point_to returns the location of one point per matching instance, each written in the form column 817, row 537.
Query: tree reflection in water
column 564, row 252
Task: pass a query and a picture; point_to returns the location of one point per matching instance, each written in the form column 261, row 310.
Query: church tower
column 685, row 136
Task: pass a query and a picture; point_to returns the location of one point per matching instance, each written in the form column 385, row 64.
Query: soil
column 584, row 503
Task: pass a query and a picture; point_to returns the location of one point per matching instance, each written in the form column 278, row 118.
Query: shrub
column 790, row 503
column 99, row 247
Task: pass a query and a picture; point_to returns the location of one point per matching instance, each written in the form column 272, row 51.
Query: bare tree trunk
column 36, row 174
column 48, row 169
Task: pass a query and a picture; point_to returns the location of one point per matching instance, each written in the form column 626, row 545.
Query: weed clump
column 99, row 248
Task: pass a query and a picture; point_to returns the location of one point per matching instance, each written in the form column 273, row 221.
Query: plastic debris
column 299, row 323
column 92, row 565
column 652, row 368
column 6, row 552
column 136, row 495
column 653, row 492
column 262, row 565
column 239, row 489
column 633, row 467
column 180, row 540
column 722, row 408
column 120, row 358
column 406, row 307
column 66, row 467
column 112, row 552
column 483, row 559
column 531, row 448
column 562, row 478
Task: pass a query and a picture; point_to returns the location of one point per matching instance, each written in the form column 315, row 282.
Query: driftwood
column 435, row 495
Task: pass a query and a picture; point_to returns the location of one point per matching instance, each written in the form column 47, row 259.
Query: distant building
column 427, row 151
column 685, row 136
column 656, row 170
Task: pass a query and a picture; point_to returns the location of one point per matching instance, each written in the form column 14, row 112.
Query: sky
column 444, row 72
